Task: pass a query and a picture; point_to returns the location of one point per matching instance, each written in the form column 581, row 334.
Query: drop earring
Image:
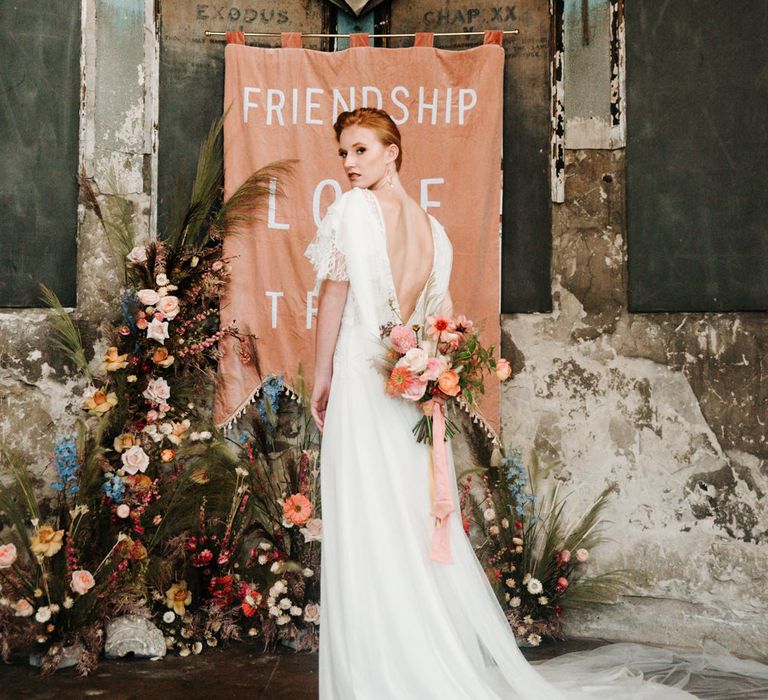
column 389, row 177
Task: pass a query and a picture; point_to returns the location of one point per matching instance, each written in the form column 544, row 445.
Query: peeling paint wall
column 672, row 408
column 39, row 397
column 669, row 407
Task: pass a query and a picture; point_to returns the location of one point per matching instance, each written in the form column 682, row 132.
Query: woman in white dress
column 395, row 624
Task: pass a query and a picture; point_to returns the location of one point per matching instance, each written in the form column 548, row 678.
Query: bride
column 396, row 623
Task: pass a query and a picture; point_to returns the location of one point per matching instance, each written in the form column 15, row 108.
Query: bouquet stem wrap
column 442, row 504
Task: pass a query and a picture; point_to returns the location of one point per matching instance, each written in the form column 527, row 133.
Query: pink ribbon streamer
column 442, row 504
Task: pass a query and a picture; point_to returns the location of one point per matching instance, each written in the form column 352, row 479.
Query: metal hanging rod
column 372, row 36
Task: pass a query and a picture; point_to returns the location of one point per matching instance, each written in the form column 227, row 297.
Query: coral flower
column 438, row 325
column 562, row 584
column 100, row 401
column 400, row 380
column 251, row 601
column 161, row 357
column 177, row 597
column 503, row 369
column 297, row 509
column 114, row 361
column 47, row 541
column 449, row 383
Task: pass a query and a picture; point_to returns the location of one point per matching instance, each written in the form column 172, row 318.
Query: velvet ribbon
column 440, row 490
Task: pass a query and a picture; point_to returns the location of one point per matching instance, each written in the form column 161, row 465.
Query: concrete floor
column 240, row 671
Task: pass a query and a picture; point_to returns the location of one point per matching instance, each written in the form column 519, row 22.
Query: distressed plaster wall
column 669, row 407
column 38, row 395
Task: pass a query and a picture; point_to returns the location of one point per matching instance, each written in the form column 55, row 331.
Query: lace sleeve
column 324, row 252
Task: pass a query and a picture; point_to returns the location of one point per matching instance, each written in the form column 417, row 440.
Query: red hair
column 378, row 121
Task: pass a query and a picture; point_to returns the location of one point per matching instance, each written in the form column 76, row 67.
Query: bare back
column 410, row 248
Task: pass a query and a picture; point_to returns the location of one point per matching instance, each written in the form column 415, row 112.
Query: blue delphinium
column 67, row 466
column 270, row 391
column 113, row 487
column 517, row 480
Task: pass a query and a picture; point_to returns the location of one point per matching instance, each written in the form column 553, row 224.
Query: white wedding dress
column 395, row 624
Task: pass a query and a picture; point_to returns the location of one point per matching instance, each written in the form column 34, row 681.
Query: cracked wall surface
column 669, row 407
column 672, row 408
column 39, row 393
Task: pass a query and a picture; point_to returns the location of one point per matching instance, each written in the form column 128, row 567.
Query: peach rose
column 135, row 460
column 160, row 356
column 178, row 431
column 158, row 330
column 100, row 401
column 47, row 541
column 503, row 369
column 123, row 510
column 582, row 554
column 23, row 608
column 449, row 383
column 148, row 297
column 167, row 455
column 82, row 581
column 124, row 441
column 7, row 555
column 168, row 306
column 177, row 597
column 114, row 361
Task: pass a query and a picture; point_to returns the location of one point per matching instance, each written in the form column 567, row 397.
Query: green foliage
column 66, row 336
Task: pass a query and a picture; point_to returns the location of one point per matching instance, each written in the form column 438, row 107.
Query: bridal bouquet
column 437, row 363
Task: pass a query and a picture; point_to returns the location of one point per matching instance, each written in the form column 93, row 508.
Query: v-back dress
column 395, row 624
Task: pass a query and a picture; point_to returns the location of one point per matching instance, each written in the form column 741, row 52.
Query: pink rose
column 582, row 554
column 157, row 390
column 435, row 367
column 82, row 581
column 313, row 530
column 152, row 415
column 403, row 338
column 138, row 254
column 158, row 330
column 123, row 510
column 503, row 369
column 416, row 389
column 169, row 306
column 148, row 297
column 135, row 460
column 7, row 555
column 564, row 556
column 142, row 324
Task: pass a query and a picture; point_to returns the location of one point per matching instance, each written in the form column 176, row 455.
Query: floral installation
column 436, row 363
column 130, row 483
column 535, row 562
column 59, row 571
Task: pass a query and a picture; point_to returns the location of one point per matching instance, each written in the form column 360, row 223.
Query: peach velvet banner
column 282, row 104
